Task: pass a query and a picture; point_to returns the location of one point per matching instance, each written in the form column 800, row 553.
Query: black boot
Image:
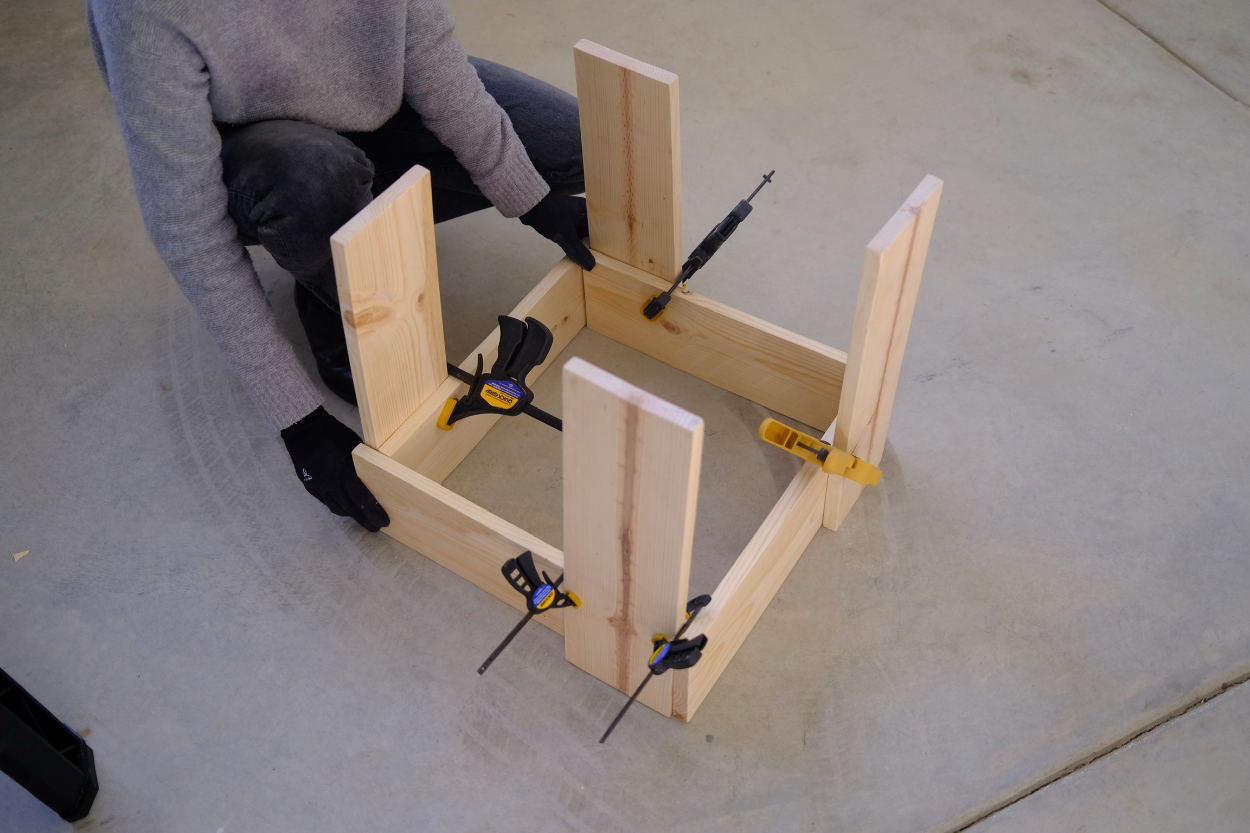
column 324, row 328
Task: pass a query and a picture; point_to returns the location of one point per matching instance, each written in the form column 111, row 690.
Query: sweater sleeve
column 160, row 89
column 441, row 85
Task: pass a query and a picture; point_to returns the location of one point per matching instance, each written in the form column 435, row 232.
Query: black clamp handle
column 668, row 653
column 540, row 591
column 523, row 345
column 680, row 653
column 677, row 652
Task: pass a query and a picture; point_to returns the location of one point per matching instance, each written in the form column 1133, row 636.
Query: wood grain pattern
column 453, row 531
column 789, row 373
column 745, row 592
column 631, row 149
column 387, row 276
column 889, row 283
column 557, row 301
column 631, row 477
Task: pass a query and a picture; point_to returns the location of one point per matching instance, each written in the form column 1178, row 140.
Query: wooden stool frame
column 631, row 460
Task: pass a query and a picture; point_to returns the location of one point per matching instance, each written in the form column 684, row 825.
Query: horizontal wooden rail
column 453, row 530
column 745, row 592
column 789, row 373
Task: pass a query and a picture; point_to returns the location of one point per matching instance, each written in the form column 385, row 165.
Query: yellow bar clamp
column 831, row 460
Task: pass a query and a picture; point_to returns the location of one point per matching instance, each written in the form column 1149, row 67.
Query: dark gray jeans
column 292, row 184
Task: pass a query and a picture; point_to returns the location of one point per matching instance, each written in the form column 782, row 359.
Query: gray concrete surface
column 1210, row 36
column 1189, row 774
column 1056, row 557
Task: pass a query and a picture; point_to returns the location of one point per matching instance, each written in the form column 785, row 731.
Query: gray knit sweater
column 174, row 67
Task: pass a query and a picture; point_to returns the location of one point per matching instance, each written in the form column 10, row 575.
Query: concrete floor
column 1010, row 633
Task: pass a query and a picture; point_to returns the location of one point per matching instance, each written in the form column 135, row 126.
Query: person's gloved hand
column 562, row 220
column 321, row 449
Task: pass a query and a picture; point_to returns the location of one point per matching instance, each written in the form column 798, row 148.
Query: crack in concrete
column 1168, row 717
column 1182, row 59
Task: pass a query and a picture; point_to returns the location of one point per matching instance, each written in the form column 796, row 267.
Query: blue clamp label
column 500, row 393
column 543, row 597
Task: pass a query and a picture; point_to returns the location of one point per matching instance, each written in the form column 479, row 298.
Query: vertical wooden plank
column 387, row 275
column 631, row 479
column 746, row 590
column 888, row 285
column 631, row 150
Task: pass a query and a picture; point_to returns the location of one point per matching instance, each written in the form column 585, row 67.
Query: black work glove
column 562, row 220
column 321, row 449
